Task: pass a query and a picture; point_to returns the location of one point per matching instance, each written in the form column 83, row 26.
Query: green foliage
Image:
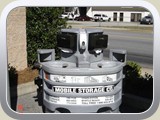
column 133, row 69
column 43, row 24
column 135, row 83
column 148, row 77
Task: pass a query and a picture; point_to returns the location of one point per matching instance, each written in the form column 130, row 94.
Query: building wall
column 16, row 38
column 126, row 14
column 89, row 12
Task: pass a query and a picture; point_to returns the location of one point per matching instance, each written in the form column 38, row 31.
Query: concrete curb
column 147, row 70
column 23, row 89
column 114, row 28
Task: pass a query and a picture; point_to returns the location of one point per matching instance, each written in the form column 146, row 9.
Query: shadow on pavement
column 13, row 84
column 39, row 97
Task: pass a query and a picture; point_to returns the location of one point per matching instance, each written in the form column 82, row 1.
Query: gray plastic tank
column 82, row 81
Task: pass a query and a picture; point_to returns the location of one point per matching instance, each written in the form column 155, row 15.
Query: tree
column 83, row 11
column 43, row 24
column 135, row 83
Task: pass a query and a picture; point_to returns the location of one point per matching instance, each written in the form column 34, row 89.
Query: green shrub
column 133, row 69
column 43, row 24
column 135, row 83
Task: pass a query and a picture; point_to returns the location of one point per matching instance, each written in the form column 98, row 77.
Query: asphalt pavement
column 134, row 37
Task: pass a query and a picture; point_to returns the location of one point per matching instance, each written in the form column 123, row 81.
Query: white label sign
column 84, row 79
column 94, row 89
column 82, row 101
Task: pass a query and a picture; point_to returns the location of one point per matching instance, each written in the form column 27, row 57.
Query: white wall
column 16, row 38
column 89, row 12
column 126, row 15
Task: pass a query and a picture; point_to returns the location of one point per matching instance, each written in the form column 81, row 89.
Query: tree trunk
column 83, row 11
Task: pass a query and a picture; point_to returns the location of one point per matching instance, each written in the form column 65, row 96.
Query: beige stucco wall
column 16, row 38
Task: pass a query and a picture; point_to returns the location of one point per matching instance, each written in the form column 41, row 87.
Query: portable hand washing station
column 81, row 81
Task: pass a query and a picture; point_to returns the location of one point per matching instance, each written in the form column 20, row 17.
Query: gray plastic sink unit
column 82, row 81
column 96, row 68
